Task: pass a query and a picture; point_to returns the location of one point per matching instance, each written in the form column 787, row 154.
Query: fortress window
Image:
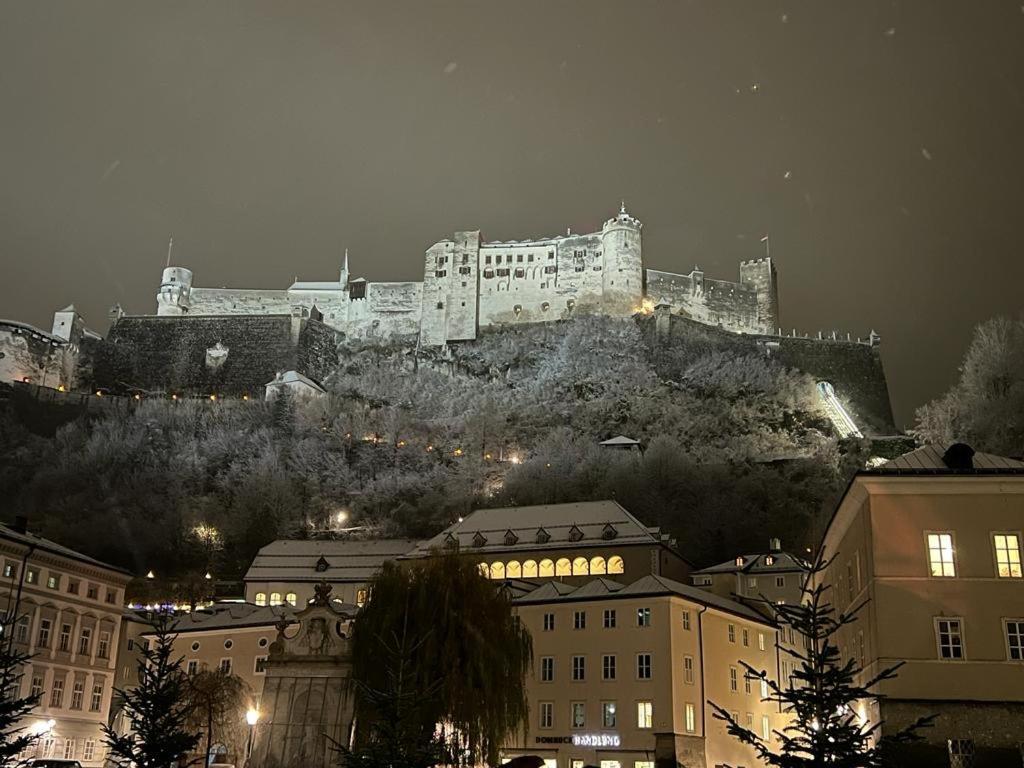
column 488, row 273
column 545, row 307
column 518, row 308
column 465, row 270
column 463, row 303
column 597, row 268
column 440, row 273
column 530, row 258
column 487, row 259
column 465, row 258
column 580, row 268
column 520, row 272
column 519, row 258
column 550, row 269
column 498, row 258
column 551, row 255
column 503, row 272
column 578, row 254
column 440, row 305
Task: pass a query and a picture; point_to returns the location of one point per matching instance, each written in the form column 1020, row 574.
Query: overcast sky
column 880, row 145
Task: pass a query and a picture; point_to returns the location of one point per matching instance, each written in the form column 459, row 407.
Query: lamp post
column 251, row 717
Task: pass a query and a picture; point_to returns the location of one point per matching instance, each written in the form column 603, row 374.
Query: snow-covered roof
column 294, row 377
column 25, row 327
column 648, row 586
column 769, row 562
column 545, row 526
column 929, row 460
column 620, row 440
column 45, row 545
column 346, row 561
column 327, row 285
column 222, row 616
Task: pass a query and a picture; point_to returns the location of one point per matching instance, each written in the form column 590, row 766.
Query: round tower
column 623, row 276
column 175, row 293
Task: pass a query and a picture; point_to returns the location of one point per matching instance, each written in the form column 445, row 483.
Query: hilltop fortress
column 469, row 284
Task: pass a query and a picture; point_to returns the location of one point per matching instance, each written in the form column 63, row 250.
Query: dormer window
column 575, row 534
column 479, row 539
column 739, row 562
column 510, row 538
column 451, row 541
column 543, row 537
column 769, row 560
column 609, row 531
column 322, row 564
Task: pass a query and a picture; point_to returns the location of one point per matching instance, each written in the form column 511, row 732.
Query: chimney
column 20, row 524
column 774, row 545
column 959, row 456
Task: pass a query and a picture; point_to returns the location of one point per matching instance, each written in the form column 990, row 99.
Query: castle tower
column 68, row 324
column 175, row 293
column 623, row 277
column 343, row 277
column 451, row 290
column 759, row 274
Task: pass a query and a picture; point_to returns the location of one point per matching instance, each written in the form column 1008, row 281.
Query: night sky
column 880, row 145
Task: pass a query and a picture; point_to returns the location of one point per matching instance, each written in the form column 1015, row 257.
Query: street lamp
column 251, row 717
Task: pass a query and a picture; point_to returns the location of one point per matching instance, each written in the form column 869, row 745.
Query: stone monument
column 307, row 704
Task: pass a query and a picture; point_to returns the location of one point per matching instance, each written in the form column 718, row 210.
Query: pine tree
column 823, row 693
column 14, row 737
column 156, row 709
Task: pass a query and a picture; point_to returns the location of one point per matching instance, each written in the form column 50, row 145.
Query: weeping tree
column 158, row 735
column 216, row 704
column 823, row 693
column 462, row 653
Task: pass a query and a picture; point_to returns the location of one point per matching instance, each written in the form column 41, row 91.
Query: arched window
column 615, row 564
column 580, row 567
column 261, row 598
column 530, row 569
column 275, row 598
column 497, row 570
column 563, row 567
column 291, row 598
column 485, row 570
column 598, row 566
column 547, row 568
column 513, row 570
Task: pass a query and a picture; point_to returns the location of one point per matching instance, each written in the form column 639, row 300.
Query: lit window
column 485, row 570
column 497, row 570
column 563, row 567
column 547, row 714
column 615, row 564
column 547, row 669
column 580, row 567
column 764, row 689
column 1015, row 639
column 688, row 670
column 733, row 680
column 1007, row 555
column 609, row 618
column 361, row 597
column 949, row 637
column 192, row 668
column 53, row 582
column 291, row 598
column 579, row 668
column 766, row 727
column 940, row 554
column 546, row 568
column 530, row 569
column 513, row 570
column 691, row 718
column 598, row 567
column 760, row 641
column 643, row 617
column 275, row 598
column 608, row 714
column 579, row 714
column 643, row 666
column 608, row 667
column 644, row 714
column 31, row 576
column 604, row 764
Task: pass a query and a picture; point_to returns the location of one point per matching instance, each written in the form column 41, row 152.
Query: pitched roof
column 315, row 285
column 230, row 616
column 38, row 542
column 781, row 562
column 291, row 377
column 620, row 440
column 485, row 530
column 347, row 560
column 648, row 586
column 928, row 460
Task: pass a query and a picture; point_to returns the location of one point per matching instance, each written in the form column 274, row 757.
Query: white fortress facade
column 469, row 284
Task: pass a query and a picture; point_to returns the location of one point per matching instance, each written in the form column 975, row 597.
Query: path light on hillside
column 150, row 575
column 514, row 458
column 458, row 451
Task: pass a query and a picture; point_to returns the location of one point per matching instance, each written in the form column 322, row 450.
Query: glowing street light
column 40, row 727
column 251, row 717
column 150, row 575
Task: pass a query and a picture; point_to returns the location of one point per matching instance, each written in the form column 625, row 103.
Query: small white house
column 301, row 387
column 621, row 442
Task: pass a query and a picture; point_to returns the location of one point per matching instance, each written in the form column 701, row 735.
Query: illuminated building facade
column 932, row 541
column 775, row 576
column 69, row 621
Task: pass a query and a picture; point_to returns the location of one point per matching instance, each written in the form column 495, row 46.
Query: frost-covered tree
column 985, row 407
